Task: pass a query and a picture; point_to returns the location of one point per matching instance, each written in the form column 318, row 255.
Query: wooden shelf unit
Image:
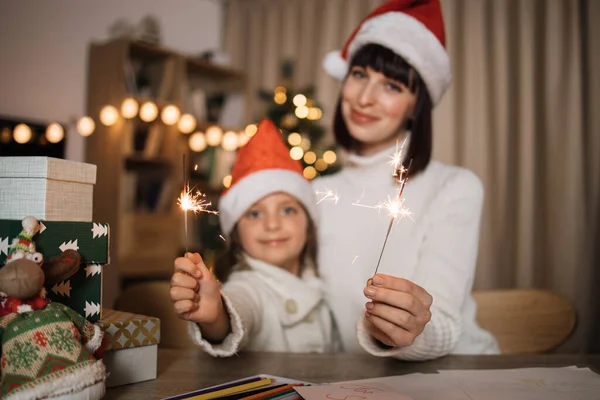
column 143, row 243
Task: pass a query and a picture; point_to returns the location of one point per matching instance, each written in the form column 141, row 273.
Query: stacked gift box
column 47, row 188
column 59, row 193
column 131, row 346
column 83, row 291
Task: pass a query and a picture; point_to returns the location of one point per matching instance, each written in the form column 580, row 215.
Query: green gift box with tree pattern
column 83, row 291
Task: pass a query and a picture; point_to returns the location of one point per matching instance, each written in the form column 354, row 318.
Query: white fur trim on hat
column 96, row 341
column 234, row 203
column 412, row 40
column 74, row 383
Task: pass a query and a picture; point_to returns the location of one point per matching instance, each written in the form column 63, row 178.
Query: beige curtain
column 519, row 114
column 260, row 34
column 590, row 9
column 516, row 116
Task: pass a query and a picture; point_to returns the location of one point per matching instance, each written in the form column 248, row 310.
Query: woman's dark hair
column 231, row 259
column 385, row 61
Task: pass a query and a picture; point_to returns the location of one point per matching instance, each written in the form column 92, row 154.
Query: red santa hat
column 413, row 29
column 263, row 166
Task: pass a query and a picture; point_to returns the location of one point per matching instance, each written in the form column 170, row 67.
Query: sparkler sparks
column 395, row 206
column 396, row 159
column 191, row 201
column 194, row 201
column 328, row 194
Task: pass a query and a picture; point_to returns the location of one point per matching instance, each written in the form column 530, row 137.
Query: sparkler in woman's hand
column 396, row 206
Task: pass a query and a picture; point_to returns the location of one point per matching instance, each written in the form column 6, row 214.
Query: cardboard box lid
column 124, row 330
column 47, row 167
column 90, row 239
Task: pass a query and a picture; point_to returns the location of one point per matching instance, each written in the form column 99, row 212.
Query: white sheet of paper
column 568, row 383
column 526, row 383
column 350, row 391
column 420, row 386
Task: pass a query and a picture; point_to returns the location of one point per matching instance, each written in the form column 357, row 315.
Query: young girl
column 395, row 69
column 271, row 298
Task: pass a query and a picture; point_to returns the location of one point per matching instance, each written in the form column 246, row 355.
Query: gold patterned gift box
column 131, row 351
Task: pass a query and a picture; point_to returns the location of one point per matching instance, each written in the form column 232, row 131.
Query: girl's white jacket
column 273, row 310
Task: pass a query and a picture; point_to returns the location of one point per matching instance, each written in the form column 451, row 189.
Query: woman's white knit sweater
column 436, row 248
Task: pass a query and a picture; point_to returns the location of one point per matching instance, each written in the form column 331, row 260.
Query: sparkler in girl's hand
column 191, row 201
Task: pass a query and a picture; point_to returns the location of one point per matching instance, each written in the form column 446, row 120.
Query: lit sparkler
column 194, row 202
column 191, row 201
column 395, row 206
column 328, row 194
column 396, row 158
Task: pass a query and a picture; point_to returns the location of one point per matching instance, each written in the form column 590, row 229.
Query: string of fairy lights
column 198, row 140
column 23, row 133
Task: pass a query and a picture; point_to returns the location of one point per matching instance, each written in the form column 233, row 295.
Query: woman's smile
column 360, row 118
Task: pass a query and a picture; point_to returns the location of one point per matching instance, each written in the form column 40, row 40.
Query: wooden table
column 181, row 371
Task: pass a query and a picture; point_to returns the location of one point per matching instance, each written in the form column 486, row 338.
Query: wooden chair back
column 525, row 321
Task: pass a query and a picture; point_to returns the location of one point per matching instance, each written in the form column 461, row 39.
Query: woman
column 395, row 70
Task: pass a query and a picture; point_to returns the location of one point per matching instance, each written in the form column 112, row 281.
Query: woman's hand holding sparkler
column 196, row 297
column 398, row 310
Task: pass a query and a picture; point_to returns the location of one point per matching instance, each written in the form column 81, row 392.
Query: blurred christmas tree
column 297, row 114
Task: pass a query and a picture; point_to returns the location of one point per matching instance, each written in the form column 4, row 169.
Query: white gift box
column 131, row 346
column 50, row 189
column 125, row 366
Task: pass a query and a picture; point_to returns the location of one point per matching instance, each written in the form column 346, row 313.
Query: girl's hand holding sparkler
column 398, row 311
column 196, row 297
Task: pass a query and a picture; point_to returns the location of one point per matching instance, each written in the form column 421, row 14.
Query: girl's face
column 374, row 108
column 274, row 230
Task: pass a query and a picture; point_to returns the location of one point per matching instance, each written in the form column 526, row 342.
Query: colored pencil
column 247, row 393
column 231, row 390
column 273, row 392
column 215, row 387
